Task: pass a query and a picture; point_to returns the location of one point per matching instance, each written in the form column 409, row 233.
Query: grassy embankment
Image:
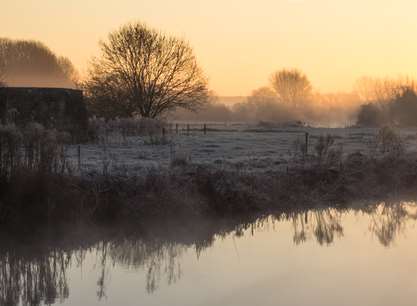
column 38, row 185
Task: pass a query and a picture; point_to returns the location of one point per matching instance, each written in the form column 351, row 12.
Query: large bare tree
column 291, row 86
column 143, row 71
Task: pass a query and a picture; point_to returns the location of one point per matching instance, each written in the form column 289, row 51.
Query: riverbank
column 192, row 190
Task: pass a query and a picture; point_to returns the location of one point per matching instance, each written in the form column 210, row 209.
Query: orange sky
column 240, row 43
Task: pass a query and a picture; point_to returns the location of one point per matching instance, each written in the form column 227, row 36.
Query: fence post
column 163, row 131
column 188, row 129
column 205, row 129
column 176, row 128
column 79, row 157
column 306, row 143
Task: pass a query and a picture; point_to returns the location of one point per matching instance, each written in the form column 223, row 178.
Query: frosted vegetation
column 140, row 168
column 133, row 146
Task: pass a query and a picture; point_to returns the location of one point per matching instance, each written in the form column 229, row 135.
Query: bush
column 33, row 148
column 389, row 142
column 401, row 110
column 325, row 151
column 370, row 115
column 230, row 192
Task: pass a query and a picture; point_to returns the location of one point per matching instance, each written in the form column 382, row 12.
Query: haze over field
column 240, row 43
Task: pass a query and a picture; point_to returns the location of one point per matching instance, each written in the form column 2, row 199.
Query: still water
column 364, row 256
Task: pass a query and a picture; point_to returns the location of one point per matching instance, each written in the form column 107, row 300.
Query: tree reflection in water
column 32, row 279
column 34, row 271
column 323, row 224
column 389, row 220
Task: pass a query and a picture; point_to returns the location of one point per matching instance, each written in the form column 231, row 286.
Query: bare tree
column 292, row 86
column 263, row 95
column 142, row 71
column 382, row 90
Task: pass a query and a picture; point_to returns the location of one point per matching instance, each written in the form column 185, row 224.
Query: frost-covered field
column 240, row 147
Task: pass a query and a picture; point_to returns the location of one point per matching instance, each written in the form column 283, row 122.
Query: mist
column 290, row 99
column 263, row 105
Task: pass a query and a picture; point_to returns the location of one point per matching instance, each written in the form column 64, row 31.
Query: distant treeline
column 392, row 102
column 149, row 83
column 26, row 63
column 375, row 102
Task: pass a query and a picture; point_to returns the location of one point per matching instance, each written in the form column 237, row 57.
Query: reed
column 32, row 148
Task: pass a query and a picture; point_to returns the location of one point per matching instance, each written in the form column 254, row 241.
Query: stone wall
column 63, row 109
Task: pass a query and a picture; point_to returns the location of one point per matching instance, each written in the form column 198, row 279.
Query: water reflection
column 388, row 221
column 34, row 278
column 33, row 271
column 323, row 224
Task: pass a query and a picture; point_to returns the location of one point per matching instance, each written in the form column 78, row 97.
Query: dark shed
column 59, row 108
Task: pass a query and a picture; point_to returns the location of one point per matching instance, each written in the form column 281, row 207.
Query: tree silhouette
column 403, row 109
column 383, row 90
column 291, row 86
column 142, row 71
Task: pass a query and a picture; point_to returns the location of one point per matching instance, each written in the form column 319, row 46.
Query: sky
column 239, row 44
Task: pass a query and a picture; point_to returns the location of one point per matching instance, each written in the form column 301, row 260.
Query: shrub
column 230, row 192
column 32, row 148
column 325, row 151
column 389, row 142
column 370, row 115
column 403, row 108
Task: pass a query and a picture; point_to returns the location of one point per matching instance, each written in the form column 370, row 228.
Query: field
column 235, row 146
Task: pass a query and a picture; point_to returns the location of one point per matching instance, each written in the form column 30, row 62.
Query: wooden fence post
column 188, row 129
column 306, row 143
column 205, row 129
column 79, row 157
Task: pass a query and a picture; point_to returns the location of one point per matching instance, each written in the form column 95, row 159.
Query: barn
column 60, row 108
